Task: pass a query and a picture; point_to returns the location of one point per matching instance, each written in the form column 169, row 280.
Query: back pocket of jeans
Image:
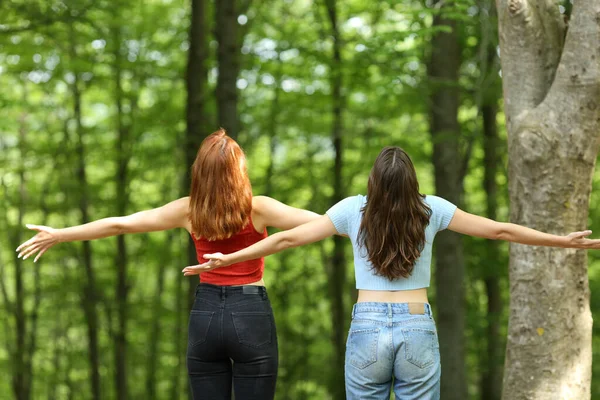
column 362, row 347
column 253, row 329
column 419, row 346
column 198, row 327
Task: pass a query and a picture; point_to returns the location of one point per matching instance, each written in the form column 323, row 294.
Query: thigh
column 417, row 367
column 252, row 345
column 368, row 367
column 210, row 380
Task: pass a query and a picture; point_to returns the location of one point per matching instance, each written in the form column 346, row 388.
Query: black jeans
column 232, row 339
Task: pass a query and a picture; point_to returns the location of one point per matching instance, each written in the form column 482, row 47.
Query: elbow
column 119, row 226
column 287, row 241
column 501, row 232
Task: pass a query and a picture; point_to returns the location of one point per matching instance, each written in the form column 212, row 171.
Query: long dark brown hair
column 395, row 215
column 221, row 194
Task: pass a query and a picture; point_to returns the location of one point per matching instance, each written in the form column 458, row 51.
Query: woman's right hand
column 215, row 260
column 45, row 238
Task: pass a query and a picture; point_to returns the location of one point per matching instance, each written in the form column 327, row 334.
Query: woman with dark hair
column 393, row 334
column 232, row 336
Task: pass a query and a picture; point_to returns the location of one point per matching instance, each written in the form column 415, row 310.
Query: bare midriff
column 257, row 283
column 396, row 296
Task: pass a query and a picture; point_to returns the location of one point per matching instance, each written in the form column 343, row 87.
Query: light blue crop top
column 346, row 217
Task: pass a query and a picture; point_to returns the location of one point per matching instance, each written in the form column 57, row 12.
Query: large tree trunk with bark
column 448, row 169
column 552, row 105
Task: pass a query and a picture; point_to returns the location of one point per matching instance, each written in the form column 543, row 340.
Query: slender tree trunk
column 487, row 102
column 447, row 161
column 197, row 121
column 552, row 105
column 154, row 337
column 196, row 116
column 337, row 270
column 123, row 144
column 89, row 293
column 20, row 379
column 228, row 59
column 272, row 130
column 180, row 335
column 491, row 380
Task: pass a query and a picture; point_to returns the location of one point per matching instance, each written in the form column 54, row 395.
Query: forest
column 104, row 104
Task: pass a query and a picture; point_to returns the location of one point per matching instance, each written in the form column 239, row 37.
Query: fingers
column 213, row 256
column 198, row 269
column 27, row 243
column 29, row 251
column 39, row 228
column 40, row 254
column 195, row 267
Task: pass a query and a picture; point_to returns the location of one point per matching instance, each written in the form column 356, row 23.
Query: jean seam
column 199, row 342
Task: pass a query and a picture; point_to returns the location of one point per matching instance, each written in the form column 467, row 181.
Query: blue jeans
column 392, row 341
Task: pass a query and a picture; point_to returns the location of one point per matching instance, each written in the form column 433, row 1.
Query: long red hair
column 221, row 193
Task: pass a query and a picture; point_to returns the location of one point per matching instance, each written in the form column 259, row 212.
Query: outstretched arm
column 310, row 232
column 171, row 215
column 473, row 225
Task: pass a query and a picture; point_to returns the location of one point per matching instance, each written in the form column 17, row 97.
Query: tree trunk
column 447, row 161
column 197, row 121
column 228, row 60
column 20, row 379
column 121, row 180
column 89, row 295
column 180, row 335
column 491, row 380
column 337, row 270
column 487, row 102
column 154, row 336
column 552, row 102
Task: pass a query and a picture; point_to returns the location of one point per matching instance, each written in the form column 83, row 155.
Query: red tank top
column 234, row 274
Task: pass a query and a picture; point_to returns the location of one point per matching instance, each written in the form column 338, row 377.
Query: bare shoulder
column 260, row 204
column 183, row 202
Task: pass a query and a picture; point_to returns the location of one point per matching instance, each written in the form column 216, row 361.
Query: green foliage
column 46, row 47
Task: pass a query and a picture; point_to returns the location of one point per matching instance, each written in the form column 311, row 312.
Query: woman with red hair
column 232, row 336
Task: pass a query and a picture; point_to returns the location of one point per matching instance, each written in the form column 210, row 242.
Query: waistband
column 392, row 308
column 230, row 290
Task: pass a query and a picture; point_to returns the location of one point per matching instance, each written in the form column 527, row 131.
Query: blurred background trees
column 103, row 107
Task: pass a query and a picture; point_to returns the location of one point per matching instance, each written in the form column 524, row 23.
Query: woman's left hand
column 215, row 260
